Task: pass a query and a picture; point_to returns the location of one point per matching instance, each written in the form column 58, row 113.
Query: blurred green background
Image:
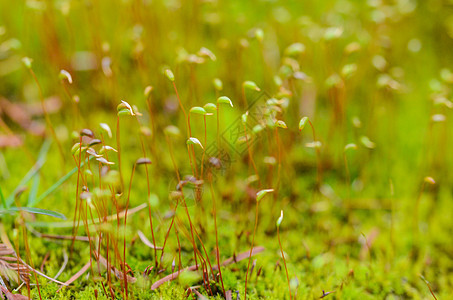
column 376, row 74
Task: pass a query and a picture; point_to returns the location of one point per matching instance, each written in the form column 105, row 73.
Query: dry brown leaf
column 13, row 267
column 368, row 243
column 228, row 295
column 10, row 141
column 11, row 296
column 52, row 104
column 10, row 268
column 115, row 271
column 76, row 275
column 147, row 242
column 239, row 257
column 19, row 114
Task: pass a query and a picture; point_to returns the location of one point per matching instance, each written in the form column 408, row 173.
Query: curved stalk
column 251, row 248
column 284, row 261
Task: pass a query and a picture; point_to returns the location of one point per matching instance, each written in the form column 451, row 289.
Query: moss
column 372, row 228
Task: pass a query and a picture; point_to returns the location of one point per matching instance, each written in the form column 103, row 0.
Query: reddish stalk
column 152, row 232
column 249, row 150
column 168, row 232
column 195, row 249
column 191, row 147
column 179, row 180
column 207, row 259
column 182, row 108
column 348, row 181
column 17, row 245
column 279, row 156
column 284, row 261
column 96, row 255
column 84, row 183
column 179, row 249
column 214, row 208
column 318, row 156
column 151, row 114
column 27, row 251
column 77, row 194
column 190, row 160
column 153, row 121
column 184, row 203
column 417, row 208
column 125, row 224
column 74, row 104
column 251, row 248
column 218, row 128
column 118, row 147
column 46, row 115
column 202, row 262
column 149, row 193
column 106, row 213
column 85, row 222
column 204, row 151
column 279, row 167
column 205, row 252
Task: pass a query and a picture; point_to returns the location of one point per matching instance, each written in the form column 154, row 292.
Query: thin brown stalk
column 416, row 216
column 218, row 128
column 183, row 110
column 241, row 256
column 251, row 160
column 30, row 261
column 85, row 222
column 251, row 248
column 195, row 249
column 125, row 224
column 318, row 157
column 149, row 193
column 179, row 250
column 46, row 115
column 214, row 208
column 118, row 147
column 284, row 261
column 74, row 232
column 204, row 151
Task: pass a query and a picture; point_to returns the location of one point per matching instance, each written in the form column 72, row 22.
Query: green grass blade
column 34, row 191
column 38, row 211
column 33, row 171
column 2, row 198
column 55, row 186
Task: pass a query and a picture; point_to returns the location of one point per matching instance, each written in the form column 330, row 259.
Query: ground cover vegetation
column 226, row 149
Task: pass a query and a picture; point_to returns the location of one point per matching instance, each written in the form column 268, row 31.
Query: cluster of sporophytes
column 175, row 141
